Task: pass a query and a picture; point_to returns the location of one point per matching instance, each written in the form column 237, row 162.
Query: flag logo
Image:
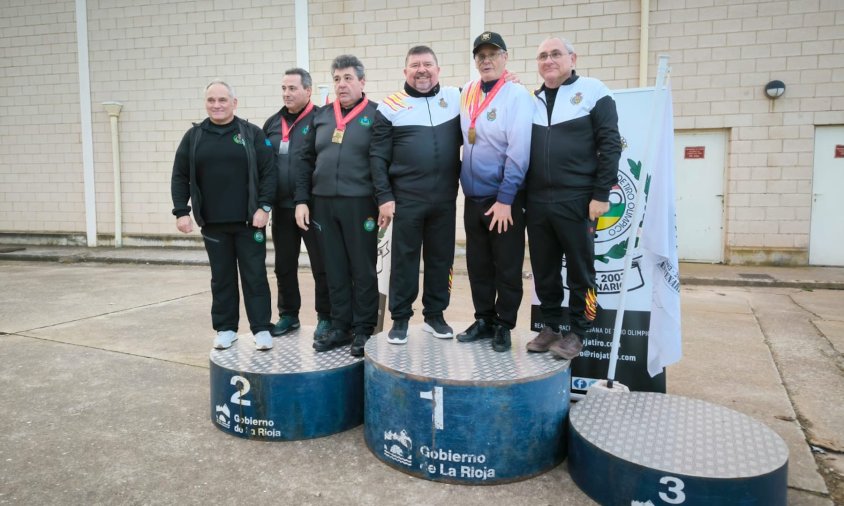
column 614, row 224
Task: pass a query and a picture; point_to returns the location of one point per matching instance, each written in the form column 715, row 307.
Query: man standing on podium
column 224, row 165
column 573, row 166
column 495, row 118
column 415, row 157
column 286, row 129
column 335, row 173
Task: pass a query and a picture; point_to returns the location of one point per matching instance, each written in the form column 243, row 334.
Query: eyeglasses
column 554, row 55
column 481, row 57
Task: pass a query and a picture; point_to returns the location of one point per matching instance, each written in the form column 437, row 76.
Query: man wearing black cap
column 495, row 118
column 573, row 166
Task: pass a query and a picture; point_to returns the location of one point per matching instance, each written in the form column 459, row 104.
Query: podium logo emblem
column 223, row 416
column 398, row 447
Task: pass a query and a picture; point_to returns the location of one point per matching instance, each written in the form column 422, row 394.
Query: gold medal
column 471, row 135
column 338, row 136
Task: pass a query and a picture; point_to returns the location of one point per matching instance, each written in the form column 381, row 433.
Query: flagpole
column 638, row 209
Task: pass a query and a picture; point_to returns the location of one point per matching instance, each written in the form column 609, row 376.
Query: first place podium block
column 462, row 413
column 287, row 393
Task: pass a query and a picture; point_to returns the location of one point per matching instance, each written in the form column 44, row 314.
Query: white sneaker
column 263, row 340
column 225, row 339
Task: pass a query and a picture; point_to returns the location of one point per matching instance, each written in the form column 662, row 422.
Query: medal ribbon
column 285, row 130
column 475, row 110
column 338, row 116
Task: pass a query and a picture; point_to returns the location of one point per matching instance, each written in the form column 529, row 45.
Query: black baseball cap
column 490, row 38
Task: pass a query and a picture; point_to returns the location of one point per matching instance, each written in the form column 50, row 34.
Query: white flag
column 659, row 245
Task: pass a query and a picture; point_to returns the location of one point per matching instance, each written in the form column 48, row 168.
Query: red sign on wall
column 694, row 152
column 839, row 151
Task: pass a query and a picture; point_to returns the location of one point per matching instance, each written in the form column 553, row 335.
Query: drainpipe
column 643, row 43
column 113, row 110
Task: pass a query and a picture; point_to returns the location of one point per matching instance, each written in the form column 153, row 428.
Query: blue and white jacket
column 495, row 165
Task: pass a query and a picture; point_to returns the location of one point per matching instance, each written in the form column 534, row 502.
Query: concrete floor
column 104, row 394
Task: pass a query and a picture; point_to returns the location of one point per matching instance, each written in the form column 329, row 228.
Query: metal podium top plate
column 678, row 434
column 291, row 353
column 448, row 359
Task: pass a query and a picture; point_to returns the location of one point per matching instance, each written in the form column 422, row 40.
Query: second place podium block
column 290, row 392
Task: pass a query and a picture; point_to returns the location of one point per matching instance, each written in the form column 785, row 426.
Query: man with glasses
column 286, row 129
column 573, row 166
column 415, row 158
column 495, row 117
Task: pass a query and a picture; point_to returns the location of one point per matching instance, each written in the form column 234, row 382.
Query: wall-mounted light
column 774, row 89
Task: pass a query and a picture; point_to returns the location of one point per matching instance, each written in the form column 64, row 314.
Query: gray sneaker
column 263, row 341
column 225, row 339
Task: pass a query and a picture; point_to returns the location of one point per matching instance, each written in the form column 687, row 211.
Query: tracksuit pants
column 426, row 230
column 287, row 240
column 349, row 230
column 554, row 230
column 233, row 247
column 494, row 261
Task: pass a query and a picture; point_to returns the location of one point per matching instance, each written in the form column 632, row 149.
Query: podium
column 454, row 412
column 651, row 448
column 287, row 393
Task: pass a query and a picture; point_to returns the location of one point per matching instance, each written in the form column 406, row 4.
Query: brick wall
column 40, row 152
column 157, row 57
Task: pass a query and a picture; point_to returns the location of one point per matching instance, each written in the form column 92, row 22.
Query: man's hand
column 303, row 216
column 597, row 209
column 386, row 211
column 184, row 224
column 501, row 217
column 260, row 218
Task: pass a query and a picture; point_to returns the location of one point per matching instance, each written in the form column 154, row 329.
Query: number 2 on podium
column 436, row 397
column 237, row 396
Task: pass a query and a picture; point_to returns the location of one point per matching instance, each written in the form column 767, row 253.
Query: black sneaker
column 479, row 330
column 358, row 344
column 286, row 324
column 437, row 326
column 398, row 334
column 334, row 339
column 501, row 340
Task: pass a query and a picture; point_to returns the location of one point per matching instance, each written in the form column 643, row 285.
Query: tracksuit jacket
column 496, row 164
column 415, row 150
column 284, row 162
column 183, row 183
column 563, row 161
column 341, row 170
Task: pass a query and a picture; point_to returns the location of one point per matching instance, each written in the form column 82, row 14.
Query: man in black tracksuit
column 415, row 156
column 575, row 150
column 224, row 165
column 334, row 171
column 287, row 129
